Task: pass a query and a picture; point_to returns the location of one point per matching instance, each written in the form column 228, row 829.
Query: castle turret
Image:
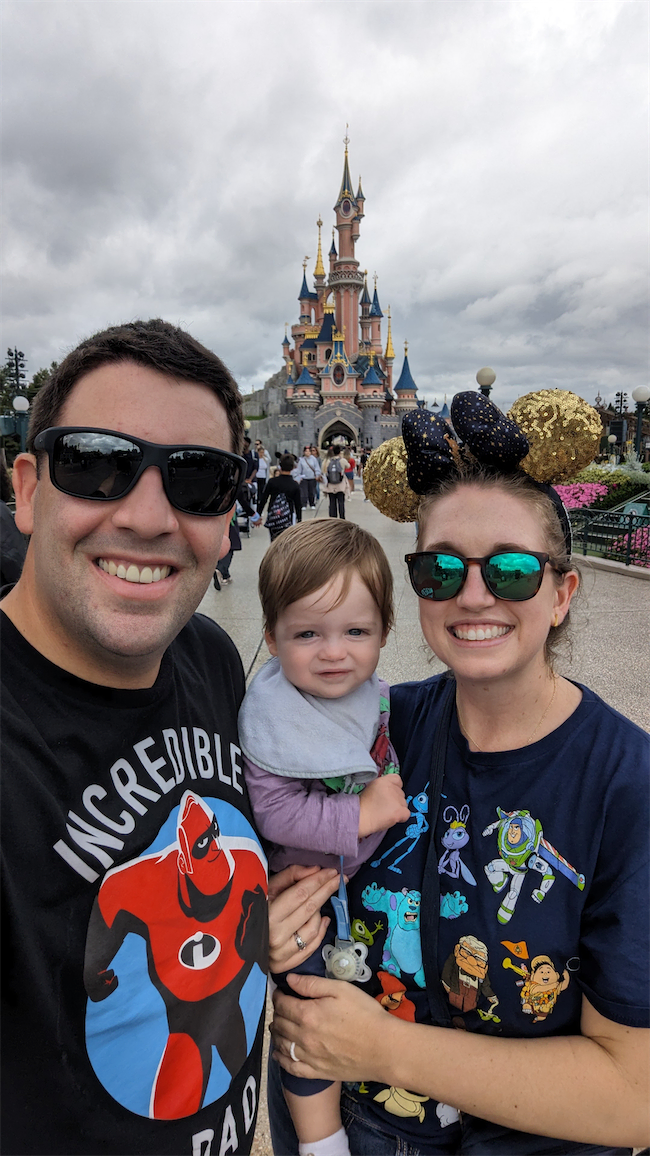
column 375, row 318
column 345, row 278
column 406, row 389
column 364, row 320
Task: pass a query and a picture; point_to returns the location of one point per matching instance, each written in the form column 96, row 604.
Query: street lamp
column 21, row 406
column 641, row 395
column 486, row 378
column 612, row 442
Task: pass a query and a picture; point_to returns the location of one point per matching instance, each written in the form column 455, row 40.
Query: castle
column 337, row 380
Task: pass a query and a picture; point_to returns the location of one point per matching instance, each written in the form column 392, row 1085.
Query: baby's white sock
column 334, row 1145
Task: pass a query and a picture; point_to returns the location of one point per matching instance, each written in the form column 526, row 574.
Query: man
column 134, row 908
column 308, row 474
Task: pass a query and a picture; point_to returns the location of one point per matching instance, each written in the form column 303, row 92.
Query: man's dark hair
column 287, row 463
column 156, row 344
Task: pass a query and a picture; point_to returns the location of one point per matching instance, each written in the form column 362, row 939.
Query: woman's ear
column 563, row 595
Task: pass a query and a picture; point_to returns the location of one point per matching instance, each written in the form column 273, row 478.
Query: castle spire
column 390, row 352
column 319, row 270
column 346, row 183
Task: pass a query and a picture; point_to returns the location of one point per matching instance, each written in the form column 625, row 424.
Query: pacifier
column 345, row 959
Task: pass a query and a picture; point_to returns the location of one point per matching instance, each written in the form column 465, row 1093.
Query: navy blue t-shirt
column 539, row 867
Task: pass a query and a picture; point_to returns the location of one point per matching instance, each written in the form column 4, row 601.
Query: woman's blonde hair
column 521, row 487
column 308, row 556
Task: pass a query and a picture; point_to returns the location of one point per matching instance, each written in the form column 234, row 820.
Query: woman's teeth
column 479, row 633
column 132, row 573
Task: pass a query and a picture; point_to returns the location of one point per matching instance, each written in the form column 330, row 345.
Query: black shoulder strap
column 430, row 908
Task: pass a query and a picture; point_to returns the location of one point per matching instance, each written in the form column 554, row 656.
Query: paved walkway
column 610, row 650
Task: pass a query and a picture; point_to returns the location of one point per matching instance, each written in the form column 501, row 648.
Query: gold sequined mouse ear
column 386, row 485
column 563, row 433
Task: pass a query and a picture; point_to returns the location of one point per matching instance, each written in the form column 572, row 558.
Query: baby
column 321, row 773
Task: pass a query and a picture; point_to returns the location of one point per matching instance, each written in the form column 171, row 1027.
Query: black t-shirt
column 134, row 908
column 284, row 484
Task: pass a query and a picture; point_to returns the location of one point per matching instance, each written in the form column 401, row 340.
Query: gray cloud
column 171, row 159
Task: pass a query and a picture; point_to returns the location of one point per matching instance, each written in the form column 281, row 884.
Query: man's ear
column 24, row 480
column 269, row 638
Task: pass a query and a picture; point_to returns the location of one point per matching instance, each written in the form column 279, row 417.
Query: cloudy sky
column 167, row 158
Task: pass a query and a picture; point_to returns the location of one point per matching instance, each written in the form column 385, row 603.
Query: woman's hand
column 296, row 896
column 338, row 1033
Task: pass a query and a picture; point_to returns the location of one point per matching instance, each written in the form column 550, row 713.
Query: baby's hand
column 381, row 805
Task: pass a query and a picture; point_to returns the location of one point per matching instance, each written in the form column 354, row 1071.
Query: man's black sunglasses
column 514, row 575
column 103, row 465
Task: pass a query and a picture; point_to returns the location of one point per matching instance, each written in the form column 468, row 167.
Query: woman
column 529, row 838
column 263, row 471
column 350, row 468
column 336, row 483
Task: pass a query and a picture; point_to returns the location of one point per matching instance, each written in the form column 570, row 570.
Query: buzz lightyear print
column 522, row 848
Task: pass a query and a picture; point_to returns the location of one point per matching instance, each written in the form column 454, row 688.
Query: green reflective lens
column 513, row 576
column 438, row 576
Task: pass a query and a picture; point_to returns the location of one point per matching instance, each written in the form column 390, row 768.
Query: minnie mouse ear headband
column 550, row 435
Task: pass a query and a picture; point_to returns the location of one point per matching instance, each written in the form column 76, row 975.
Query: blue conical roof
column 286, row 340
column 371, row 377
column 332, row 252
column 405, row 379
column 365, row 296
column 305, row 378
column 305, row 292
column 327, row 328
column 375, row 308
column 444, row 412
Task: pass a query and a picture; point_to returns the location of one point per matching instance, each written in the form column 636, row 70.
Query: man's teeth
column 479, row 633
column 132, row 573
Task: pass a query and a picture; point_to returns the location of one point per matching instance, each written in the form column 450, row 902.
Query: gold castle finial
column 319, row 270
column 286, row 326
column 406, row 348
column 304, row 264
column 390, row 352
column 346, row 139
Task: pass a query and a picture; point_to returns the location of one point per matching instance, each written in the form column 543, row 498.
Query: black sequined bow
column 492, row 439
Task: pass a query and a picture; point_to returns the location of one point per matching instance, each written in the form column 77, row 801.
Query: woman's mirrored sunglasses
column 514, row 575
column 103, row 465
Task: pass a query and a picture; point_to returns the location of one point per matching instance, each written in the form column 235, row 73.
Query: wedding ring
column 292, row 1052
column 300, row 943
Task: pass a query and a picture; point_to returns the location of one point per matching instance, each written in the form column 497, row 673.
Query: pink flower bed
column 640, row 547
column 579, row 494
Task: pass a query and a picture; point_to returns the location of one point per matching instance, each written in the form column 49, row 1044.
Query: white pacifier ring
column 292, row 1052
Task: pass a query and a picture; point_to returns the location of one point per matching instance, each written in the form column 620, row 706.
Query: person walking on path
column 308, row 475
column 351, row 468
column 283, row 496
column 263, row 471
column 336, row 483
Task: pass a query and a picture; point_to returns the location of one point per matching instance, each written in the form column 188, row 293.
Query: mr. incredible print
column 179, row 934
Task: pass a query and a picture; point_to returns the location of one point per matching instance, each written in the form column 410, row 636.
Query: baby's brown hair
column 310, row 554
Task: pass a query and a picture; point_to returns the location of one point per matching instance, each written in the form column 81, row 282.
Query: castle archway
column 338, row 431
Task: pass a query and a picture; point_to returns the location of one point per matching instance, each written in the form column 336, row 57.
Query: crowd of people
column 471, row 850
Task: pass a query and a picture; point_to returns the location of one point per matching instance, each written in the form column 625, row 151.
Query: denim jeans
column 369, row 1136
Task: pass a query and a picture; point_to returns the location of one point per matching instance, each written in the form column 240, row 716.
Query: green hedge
column 622, row 486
